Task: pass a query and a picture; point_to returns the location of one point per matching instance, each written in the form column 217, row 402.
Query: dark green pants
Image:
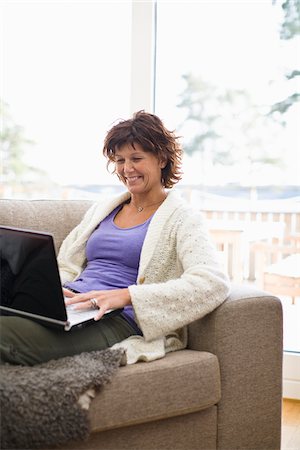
column 26, row 342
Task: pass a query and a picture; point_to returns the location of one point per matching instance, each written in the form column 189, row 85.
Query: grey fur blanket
column 39, row 405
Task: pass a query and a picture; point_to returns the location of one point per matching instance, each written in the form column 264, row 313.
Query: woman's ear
column 163, row 163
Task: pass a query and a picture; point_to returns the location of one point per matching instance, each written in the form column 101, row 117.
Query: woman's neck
column 146, row 202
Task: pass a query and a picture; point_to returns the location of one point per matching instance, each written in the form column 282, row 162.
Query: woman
column 145, row 251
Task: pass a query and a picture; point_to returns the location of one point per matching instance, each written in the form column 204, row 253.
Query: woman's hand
column 68, row 293
column 104, row 300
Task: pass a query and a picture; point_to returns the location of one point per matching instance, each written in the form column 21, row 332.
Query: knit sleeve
column 194, row 284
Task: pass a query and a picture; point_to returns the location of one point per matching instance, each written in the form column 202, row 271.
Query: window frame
column 143, row 56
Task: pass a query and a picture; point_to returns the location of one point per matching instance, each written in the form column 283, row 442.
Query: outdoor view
column 62, row 88
column 227, row 79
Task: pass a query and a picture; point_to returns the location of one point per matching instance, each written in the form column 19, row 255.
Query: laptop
column 30, row 281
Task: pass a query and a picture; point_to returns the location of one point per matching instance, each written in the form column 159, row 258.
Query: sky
column 66, row 71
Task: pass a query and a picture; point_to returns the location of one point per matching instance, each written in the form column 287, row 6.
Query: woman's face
column 140, row 171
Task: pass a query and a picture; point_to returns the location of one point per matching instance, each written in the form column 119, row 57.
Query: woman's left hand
column 104, row 300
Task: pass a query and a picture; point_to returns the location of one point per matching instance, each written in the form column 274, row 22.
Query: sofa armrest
column 245, row 333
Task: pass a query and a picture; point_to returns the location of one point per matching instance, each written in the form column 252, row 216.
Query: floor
column 290, row 425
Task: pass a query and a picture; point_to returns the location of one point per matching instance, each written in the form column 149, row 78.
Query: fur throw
column 46, row 405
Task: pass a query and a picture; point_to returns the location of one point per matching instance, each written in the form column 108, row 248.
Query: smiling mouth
column 132, row 179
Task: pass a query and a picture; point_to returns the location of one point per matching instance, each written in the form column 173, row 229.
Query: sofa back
column 57, row 217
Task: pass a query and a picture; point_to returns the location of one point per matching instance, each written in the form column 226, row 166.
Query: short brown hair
column 148, row 131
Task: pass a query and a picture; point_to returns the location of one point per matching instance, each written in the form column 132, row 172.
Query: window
column 66, row 79
column 221, row 67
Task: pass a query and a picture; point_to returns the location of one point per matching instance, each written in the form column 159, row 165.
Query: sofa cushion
column 44, row 215
column 183, row 382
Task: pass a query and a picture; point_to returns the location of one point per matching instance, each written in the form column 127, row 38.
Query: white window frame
column 291, row 375
column 143, row 47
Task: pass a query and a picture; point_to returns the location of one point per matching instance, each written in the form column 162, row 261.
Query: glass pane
column 227, row 75
column 66, row 78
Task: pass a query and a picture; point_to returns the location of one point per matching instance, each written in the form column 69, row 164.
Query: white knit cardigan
column 179, row 277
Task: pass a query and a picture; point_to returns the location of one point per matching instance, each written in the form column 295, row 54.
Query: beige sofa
column 222, row 392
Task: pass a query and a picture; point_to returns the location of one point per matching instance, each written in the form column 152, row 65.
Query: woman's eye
column 122, row 161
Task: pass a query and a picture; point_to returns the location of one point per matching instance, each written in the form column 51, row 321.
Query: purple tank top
column 113, row 256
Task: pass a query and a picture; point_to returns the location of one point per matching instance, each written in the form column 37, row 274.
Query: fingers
column 87, row 304
column 99, row 314
column 105, row 300
column 83, row 301
column 80, row 298
column 68, row 293
column 82, row 305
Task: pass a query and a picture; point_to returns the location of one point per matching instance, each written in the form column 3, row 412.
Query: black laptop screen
column 29, row 275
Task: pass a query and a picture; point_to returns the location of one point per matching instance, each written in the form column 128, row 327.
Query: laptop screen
column 29, row 274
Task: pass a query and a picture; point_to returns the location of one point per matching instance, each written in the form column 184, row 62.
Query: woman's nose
column 128, row 166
